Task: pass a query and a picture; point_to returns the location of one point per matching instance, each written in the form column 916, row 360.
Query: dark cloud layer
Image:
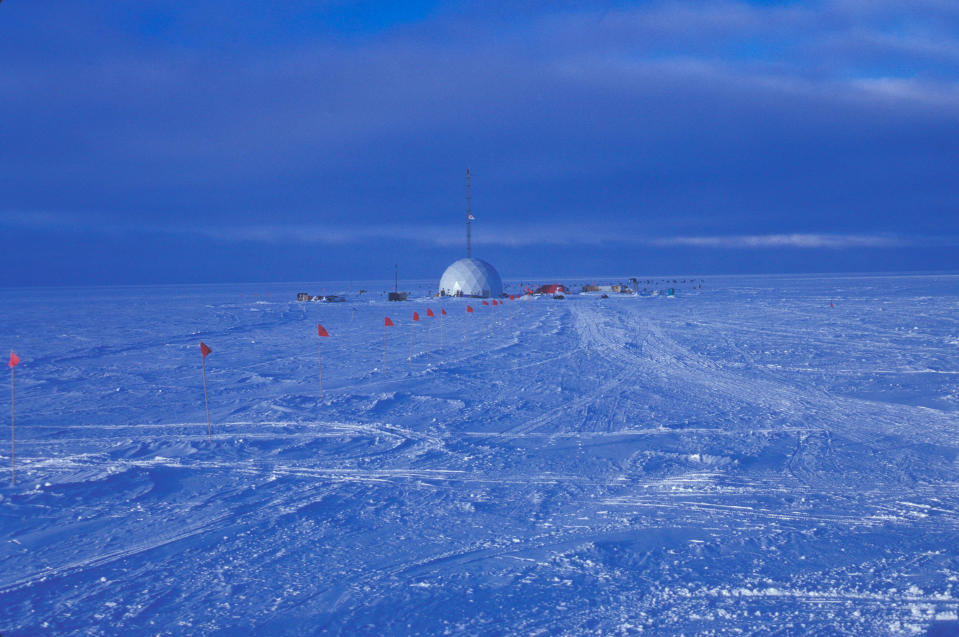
column 232, row 143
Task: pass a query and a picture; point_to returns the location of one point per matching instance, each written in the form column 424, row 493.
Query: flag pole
column 412, row 327
column 384, row 346
column 206, row 401
column 321, row 333
column 13, row 437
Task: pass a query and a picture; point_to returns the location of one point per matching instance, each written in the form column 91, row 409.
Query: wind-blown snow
column 740, row 458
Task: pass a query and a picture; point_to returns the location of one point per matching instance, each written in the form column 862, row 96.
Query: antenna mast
column 469, row 217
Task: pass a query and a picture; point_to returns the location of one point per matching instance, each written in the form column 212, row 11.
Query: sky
column 157, row 142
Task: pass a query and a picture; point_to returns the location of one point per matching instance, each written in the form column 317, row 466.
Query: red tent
column 552, row 288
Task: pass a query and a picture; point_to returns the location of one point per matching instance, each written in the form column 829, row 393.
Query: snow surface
column 741, row 459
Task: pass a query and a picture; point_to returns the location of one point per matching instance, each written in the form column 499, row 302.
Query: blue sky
column 155, row 142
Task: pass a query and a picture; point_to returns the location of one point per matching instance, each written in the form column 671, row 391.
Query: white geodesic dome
column 471, row 277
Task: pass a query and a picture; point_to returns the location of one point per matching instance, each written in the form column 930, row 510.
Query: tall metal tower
column 469, row 218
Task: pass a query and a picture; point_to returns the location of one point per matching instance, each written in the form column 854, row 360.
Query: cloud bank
column 509, row 235
column 675, row 125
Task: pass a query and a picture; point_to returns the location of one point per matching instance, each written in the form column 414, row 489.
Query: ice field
column 740, row 459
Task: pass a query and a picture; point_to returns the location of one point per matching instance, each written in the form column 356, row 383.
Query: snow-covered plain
column 742, row 458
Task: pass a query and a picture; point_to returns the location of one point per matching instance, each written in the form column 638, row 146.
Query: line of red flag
column 206, row 350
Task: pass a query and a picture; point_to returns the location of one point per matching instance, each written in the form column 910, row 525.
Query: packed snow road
column 743, row 458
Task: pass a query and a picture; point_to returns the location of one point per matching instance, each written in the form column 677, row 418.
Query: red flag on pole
column 321, row 331
column 416, row 318
column 14, row 361
column 386, row 323
column 485, row 302
column 443, row 323
column 429, row 312
column 512, row 297
column 205, row 350
column 469, row 308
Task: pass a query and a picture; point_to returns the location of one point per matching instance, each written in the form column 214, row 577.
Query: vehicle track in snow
column 591, row 466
